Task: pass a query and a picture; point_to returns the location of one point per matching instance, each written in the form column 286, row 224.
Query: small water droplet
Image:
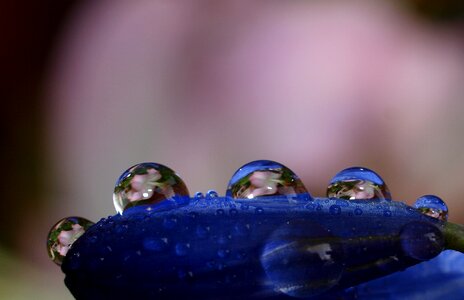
column 220, row 212
column 222, row 239
column 169, row 222
column 211, row 194
column 335, row 210
column 193, row 215
column 233, row 212
column 358, row 183
column 93, row 239
column 149, row 184
column 154, row 244
column 387, row 213
column 264, row 178
column 63, row 234
column 202, row 231
column 223, row 253
column 241, row 229
column 199, row 195
column 241, row 255
column 259, row 210
column 432, row 206
column 310, row 206
column 358, row 211
column 181, row 273
column 182, row 249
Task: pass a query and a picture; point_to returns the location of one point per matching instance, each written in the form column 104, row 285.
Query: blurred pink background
column 204, row 87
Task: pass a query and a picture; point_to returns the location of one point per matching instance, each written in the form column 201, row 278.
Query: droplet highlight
column 358, row 183
column 432, row 206
column 149, row 184
column 63, row 234
column 263, row 178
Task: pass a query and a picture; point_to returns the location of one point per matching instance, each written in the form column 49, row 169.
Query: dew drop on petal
column 211, row 194
column 198, row 196
column 358, row 183
column 302, row 259
column 432, row 206
column 63, row 234
column 264, row 178
column 149, row 184
column 421, row 240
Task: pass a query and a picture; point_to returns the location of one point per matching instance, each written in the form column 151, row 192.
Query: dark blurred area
column 29, row 34
column 213, row 39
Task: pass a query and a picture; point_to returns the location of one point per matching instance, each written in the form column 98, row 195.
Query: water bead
column 198, row 196
column 264, row 178
column 421, row 241
column 149, row 184
column 358, row 183
column 211, row 194
column 432, row 206
column 302, row 259
column 63, row 234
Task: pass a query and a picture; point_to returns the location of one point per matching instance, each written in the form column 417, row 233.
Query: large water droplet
column 63, row 234
column 149, row 184
column 264, row 178
column 358, row 183
column 302, row 259
column 421, row 240
column 432, row 206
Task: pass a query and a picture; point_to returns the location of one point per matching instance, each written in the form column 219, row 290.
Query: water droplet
column 220, row 212
column 182, row 249
column 233, row 212
column 222, row 239
column 358, row 183
column 181, row 274
column 259, row 210
column 149, row 184
column 193, row 215
column 169, row 222
column 198, row 196
column 302, row 259
column 202, row 231
column 211, row 194
column 241, row 229
column 63, row 234
column 358, row 211
column 421, row 240
column 223, row 253
column 432, row 206
column 154, row 244
column 335, row 210
column 264, row 178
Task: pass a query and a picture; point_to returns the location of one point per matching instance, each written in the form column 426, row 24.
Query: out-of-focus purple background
column 94, row 87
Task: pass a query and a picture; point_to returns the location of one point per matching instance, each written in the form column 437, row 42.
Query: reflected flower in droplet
column 358, row 183
column 62, row 236
column 67, row 237
column 264, row 178
column 432, row 206
column 263, row 183
column 148, row 183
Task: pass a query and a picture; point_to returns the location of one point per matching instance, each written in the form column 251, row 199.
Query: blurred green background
column 91, row 87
